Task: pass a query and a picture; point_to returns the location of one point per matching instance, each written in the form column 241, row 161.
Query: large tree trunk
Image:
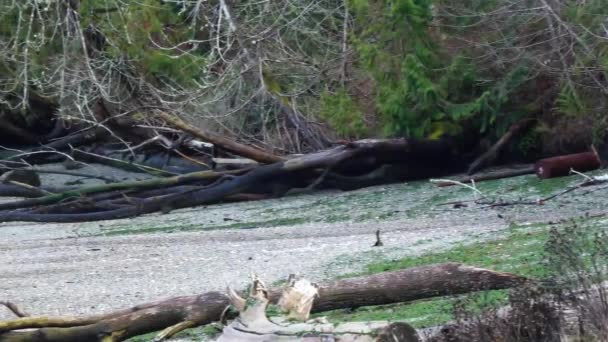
column 384, row 288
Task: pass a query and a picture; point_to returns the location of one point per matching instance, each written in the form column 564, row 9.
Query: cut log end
column 562, row 165
column 297, row 299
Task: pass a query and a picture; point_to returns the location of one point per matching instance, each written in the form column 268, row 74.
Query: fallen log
column 562, row 165
column 155, row 183
column 383, row 288
column 489, row 156
column 528, row 170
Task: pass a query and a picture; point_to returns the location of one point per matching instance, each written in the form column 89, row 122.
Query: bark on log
column 562, row 165
column 488, row 157
column 384, row 288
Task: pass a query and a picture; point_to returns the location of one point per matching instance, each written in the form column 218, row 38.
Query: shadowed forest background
column 295, row 76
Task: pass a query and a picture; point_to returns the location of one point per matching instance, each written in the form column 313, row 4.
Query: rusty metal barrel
column 561, row 165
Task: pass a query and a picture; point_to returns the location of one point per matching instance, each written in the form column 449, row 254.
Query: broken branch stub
column 297, row 298
column 253, row 323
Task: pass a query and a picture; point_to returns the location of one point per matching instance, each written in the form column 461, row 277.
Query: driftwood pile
column 346, row 166
column 243, row 172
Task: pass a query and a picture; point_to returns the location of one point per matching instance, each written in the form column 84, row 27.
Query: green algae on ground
column 388, row 202
column 521, row 251
column 403, row 201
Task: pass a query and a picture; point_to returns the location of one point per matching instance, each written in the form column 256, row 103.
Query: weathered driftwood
column 487, row 176
column 232, row 163
column 384, row 288
column 253, row 324
column 220, row 141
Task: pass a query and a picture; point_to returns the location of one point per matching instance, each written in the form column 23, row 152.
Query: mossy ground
column 405, row 201
column 520, row 251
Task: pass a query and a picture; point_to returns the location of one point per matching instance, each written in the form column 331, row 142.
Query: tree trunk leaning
column 488, row 157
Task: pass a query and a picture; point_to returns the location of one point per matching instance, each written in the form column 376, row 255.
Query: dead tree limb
column 489, row 156
column 384, row 288
column 155, row 183
column 489, row 176
column 220, row 141
column 35, row 155
column 14, row 309
column 120, row 164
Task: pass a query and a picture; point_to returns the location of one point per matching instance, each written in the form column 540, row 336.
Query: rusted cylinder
column 561, row 166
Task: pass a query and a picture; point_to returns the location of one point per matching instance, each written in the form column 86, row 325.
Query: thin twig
column 14, row 309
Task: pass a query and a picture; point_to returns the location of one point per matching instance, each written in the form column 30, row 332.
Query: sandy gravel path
column 70, row 274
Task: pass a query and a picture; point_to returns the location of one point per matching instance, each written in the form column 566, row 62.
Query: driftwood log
column 527, row 170
column 189, row 311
